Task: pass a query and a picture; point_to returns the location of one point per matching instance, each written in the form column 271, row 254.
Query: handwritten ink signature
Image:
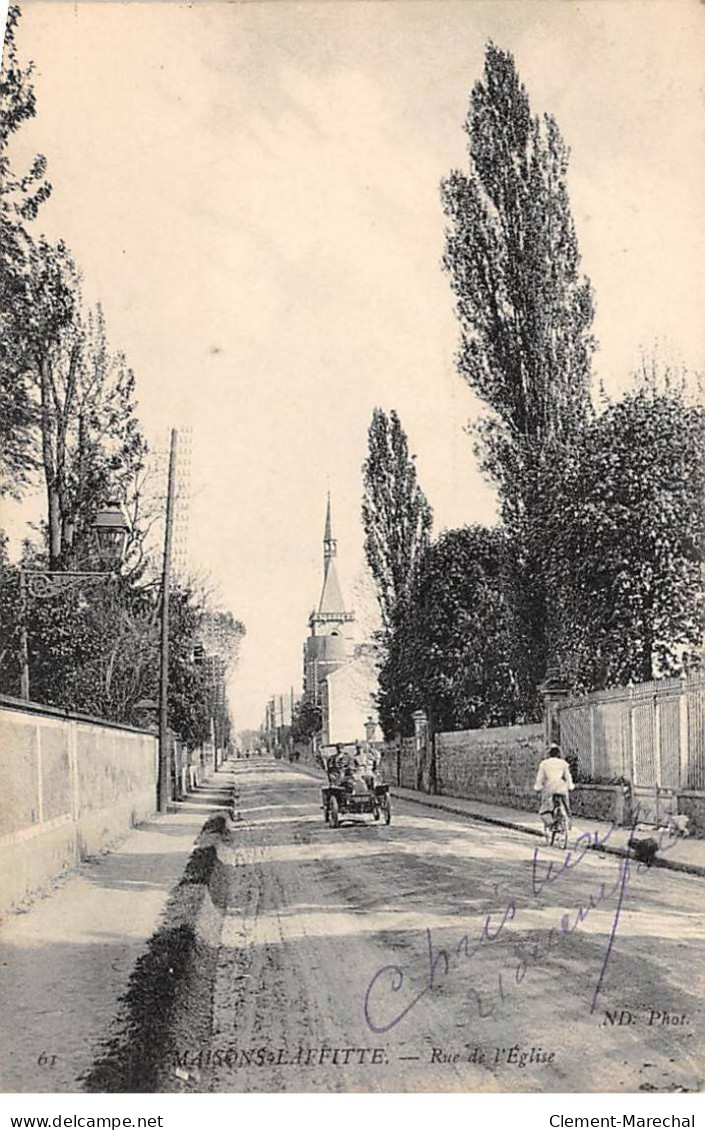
column 392, row 978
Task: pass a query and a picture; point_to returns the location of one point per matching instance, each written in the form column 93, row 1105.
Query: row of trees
column 595, row 566
column 68, row 419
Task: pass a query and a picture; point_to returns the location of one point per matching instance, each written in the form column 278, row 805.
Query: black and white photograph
column 352, row 470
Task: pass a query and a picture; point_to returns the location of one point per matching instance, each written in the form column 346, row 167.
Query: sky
column 252, row 192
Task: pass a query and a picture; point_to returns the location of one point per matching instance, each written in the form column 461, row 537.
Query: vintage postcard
column 352, row 699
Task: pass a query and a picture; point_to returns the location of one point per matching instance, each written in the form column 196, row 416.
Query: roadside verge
column 168, row 1001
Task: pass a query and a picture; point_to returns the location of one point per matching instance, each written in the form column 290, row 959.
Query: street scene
column 414, row 956
column 321, row 929
column 352, row 603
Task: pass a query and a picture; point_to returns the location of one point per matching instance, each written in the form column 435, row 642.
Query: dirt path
column 330, row 935
column 66, row 962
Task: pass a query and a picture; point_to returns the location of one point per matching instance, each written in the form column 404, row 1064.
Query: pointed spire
column 330, row 545
column 331, row 597
column 331, row 601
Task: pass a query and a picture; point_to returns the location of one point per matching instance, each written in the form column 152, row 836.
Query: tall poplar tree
column 396, row 515
column 525, row 314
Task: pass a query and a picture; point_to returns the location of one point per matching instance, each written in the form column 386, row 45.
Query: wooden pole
column 163, row 781
column 24, row 645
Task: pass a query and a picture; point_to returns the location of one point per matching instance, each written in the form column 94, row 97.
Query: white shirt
column 554, row 776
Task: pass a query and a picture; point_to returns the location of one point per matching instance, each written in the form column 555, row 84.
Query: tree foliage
column 624, row 564
column 525, row 314
column 396, row 516
column 91, row 443
column 449, row 649
column 190, row 709
column 21, row 194
column 525, row 311
column 221, row 634
column 95, row 648
column 306, row 720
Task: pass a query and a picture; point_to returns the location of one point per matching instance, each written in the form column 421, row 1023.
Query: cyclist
column 554, row 782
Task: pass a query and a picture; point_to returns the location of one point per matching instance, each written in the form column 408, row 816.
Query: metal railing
column 651, row 734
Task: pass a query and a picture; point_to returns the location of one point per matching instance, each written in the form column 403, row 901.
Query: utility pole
column 24, row 645
column 163, row 781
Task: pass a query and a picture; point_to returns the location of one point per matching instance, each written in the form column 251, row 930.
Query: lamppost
column 110, row 529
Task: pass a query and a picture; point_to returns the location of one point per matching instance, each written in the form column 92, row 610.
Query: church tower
column 330, row 643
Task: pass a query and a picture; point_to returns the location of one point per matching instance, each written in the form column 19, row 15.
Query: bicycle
column 556, row 832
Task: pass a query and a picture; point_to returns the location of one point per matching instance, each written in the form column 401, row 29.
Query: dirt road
column 437, row 954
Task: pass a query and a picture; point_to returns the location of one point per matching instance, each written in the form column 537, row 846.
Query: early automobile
column 353, row 790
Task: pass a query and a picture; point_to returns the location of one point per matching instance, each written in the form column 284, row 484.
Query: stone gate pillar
column 555, row 691
column 421, row 740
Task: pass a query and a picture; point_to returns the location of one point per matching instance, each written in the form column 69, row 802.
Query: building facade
column 348, row 701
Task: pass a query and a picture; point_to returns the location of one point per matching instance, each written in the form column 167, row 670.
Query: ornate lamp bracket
column 43, row 585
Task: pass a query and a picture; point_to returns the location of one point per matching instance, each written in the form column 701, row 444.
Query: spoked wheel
column 386, row 806
column 333, row 812
column 560, row 832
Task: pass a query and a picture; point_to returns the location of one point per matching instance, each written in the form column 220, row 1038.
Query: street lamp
column 110, row 530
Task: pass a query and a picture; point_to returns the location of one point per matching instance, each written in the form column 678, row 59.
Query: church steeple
column 330, row 644
column 331, row 601
column 331, row 606
column 330, row 545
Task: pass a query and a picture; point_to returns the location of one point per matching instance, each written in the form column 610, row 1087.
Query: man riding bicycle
column 554, row 782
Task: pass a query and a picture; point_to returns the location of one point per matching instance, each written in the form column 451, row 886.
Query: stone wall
column 495, row 765
column 70, row 785
column 601, row 802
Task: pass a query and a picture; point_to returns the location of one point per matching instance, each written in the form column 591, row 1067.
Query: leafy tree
column 95, row 648
column 306, row 720
column 9, row 620
column 105, row 446
column 449, row 648
column 91, row 444
column 222, row 634
column 525, row 315
column 396, row 516
column 188, row 706
column 21, row 195
column 624, row 563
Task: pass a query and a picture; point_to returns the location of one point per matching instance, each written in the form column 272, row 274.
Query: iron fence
column 651, row 734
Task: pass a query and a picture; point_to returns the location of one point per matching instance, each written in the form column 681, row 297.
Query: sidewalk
column 66, row 960
column 678, row 855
